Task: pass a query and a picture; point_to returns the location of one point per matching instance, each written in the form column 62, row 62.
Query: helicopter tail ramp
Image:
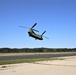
column 43, row 33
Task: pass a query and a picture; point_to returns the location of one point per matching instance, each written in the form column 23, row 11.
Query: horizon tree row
column 22, row 50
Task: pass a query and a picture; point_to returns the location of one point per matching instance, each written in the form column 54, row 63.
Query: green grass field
column 27, row 60
column 18, row 54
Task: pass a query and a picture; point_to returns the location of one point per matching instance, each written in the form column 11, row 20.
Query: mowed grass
column 2, row 62
column 15, row 54
column 27, row 60
column 20, row 54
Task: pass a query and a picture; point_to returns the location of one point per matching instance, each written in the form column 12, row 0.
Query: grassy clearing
column 27, row 60
column 20, row 54
column 15, row 54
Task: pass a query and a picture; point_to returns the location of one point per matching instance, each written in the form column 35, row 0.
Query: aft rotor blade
column 23, row 27
column 43, row 33
column 45, row 37
column 36, row 30
column 34, row 25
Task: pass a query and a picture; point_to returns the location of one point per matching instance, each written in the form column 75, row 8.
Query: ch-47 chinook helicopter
column 33, row 34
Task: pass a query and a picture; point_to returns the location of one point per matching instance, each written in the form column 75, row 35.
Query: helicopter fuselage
column 34, row 35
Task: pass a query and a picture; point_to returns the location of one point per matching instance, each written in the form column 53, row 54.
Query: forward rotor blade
column 45, row 37
column 36, row 30
column 34, row 25
column 23, row 27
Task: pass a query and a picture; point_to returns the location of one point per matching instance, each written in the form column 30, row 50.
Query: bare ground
column 52, row 67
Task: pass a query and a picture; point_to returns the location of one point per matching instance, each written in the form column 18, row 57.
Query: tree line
column 22, row 50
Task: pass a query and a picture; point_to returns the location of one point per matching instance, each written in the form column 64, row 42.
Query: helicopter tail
column 43, row 33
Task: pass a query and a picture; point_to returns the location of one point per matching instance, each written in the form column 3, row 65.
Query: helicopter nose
column 28, row 32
